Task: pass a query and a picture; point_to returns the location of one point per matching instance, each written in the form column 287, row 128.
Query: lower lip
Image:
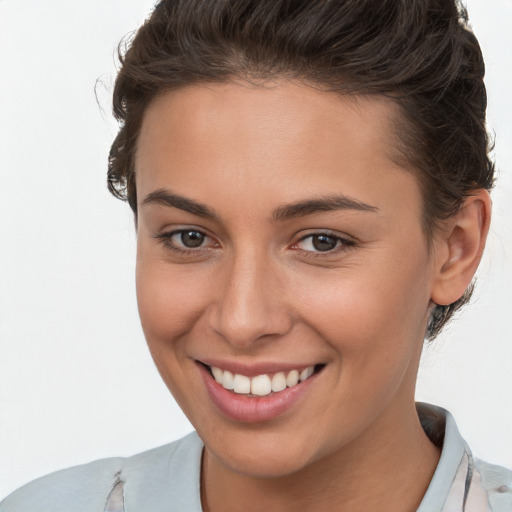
column 247, row 409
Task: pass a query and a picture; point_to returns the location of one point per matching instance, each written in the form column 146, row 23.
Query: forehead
column 291, row 110
column 281, row 141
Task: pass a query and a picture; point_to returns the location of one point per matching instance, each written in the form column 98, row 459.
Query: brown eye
column 324, row 242
column 321, row 242
column 186, row 241
column 191, row 238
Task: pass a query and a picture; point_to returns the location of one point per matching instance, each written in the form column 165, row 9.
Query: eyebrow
column 321, row 204
column 167, row 198
column 300, row 209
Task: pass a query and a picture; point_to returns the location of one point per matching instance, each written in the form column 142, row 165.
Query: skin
column 257, row 290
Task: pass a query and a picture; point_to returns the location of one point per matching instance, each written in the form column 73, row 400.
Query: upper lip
column 257, row 368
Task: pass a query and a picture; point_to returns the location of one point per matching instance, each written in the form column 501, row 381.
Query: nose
column 250, row 304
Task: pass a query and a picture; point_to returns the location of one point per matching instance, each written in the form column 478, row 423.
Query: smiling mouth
column 264, row 384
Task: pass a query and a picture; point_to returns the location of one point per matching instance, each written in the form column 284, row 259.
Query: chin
column 261, row 456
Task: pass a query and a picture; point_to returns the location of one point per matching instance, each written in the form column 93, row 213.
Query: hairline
column 399, row 123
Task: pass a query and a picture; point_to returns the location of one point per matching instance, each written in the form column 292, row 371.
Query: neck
column 386, row 469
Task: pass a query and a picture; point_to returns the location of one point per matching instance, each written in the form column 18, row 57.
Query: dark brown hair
column 421, row 53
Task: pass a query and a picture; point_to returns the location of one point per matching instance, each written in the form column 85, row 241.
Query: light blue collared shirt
column 167, row 479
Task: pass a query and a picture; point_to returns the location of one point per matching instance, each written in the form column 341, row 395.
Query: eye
column 189, row 238
column 186, row 241
column 322, row 243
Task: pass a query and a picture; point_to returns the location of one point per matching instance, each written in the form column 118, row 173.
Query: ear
column 459, row 247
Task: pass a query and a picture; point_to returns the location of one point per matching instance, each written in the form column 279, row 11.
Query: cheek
column 373, row 320
column 169, row 308
column 168, row 299
column 367, row 309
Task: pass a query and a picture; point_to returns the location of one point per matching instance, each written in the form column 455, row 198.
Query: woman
column 310, row 187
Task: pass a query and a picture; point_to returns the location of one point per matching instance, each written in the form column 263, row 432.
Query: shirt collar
column 452, row 477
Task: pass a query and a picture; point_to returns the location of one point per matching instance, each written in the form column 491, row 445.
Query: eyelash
column 342, row 244
column 166, row 240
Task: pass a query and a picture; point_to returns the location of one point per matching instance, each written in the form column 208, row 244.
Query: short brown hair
column 421, row 53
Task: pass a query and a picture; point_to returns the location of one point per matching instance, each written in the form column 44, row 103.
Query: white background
column 76, row 379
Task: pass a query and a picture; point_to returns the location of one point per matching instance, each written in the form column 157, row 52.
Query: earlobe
column 460, row 248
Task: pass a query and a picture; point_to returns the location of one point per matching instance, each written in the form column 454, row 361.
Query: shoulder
column 461, row 481
column 497, row 482
column 87, row 487
column 80, row 488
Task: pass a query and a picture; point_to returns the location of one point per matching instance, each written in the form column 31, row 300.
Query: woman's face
column 276, row 234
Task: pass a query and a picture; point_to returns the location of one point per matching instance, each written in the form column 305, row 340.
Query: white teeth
column 278, row 382
column 241, row 384
column 262, row 385
column 292, row 378
column 217, row 374
column 227, row 380
column 306, row 373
